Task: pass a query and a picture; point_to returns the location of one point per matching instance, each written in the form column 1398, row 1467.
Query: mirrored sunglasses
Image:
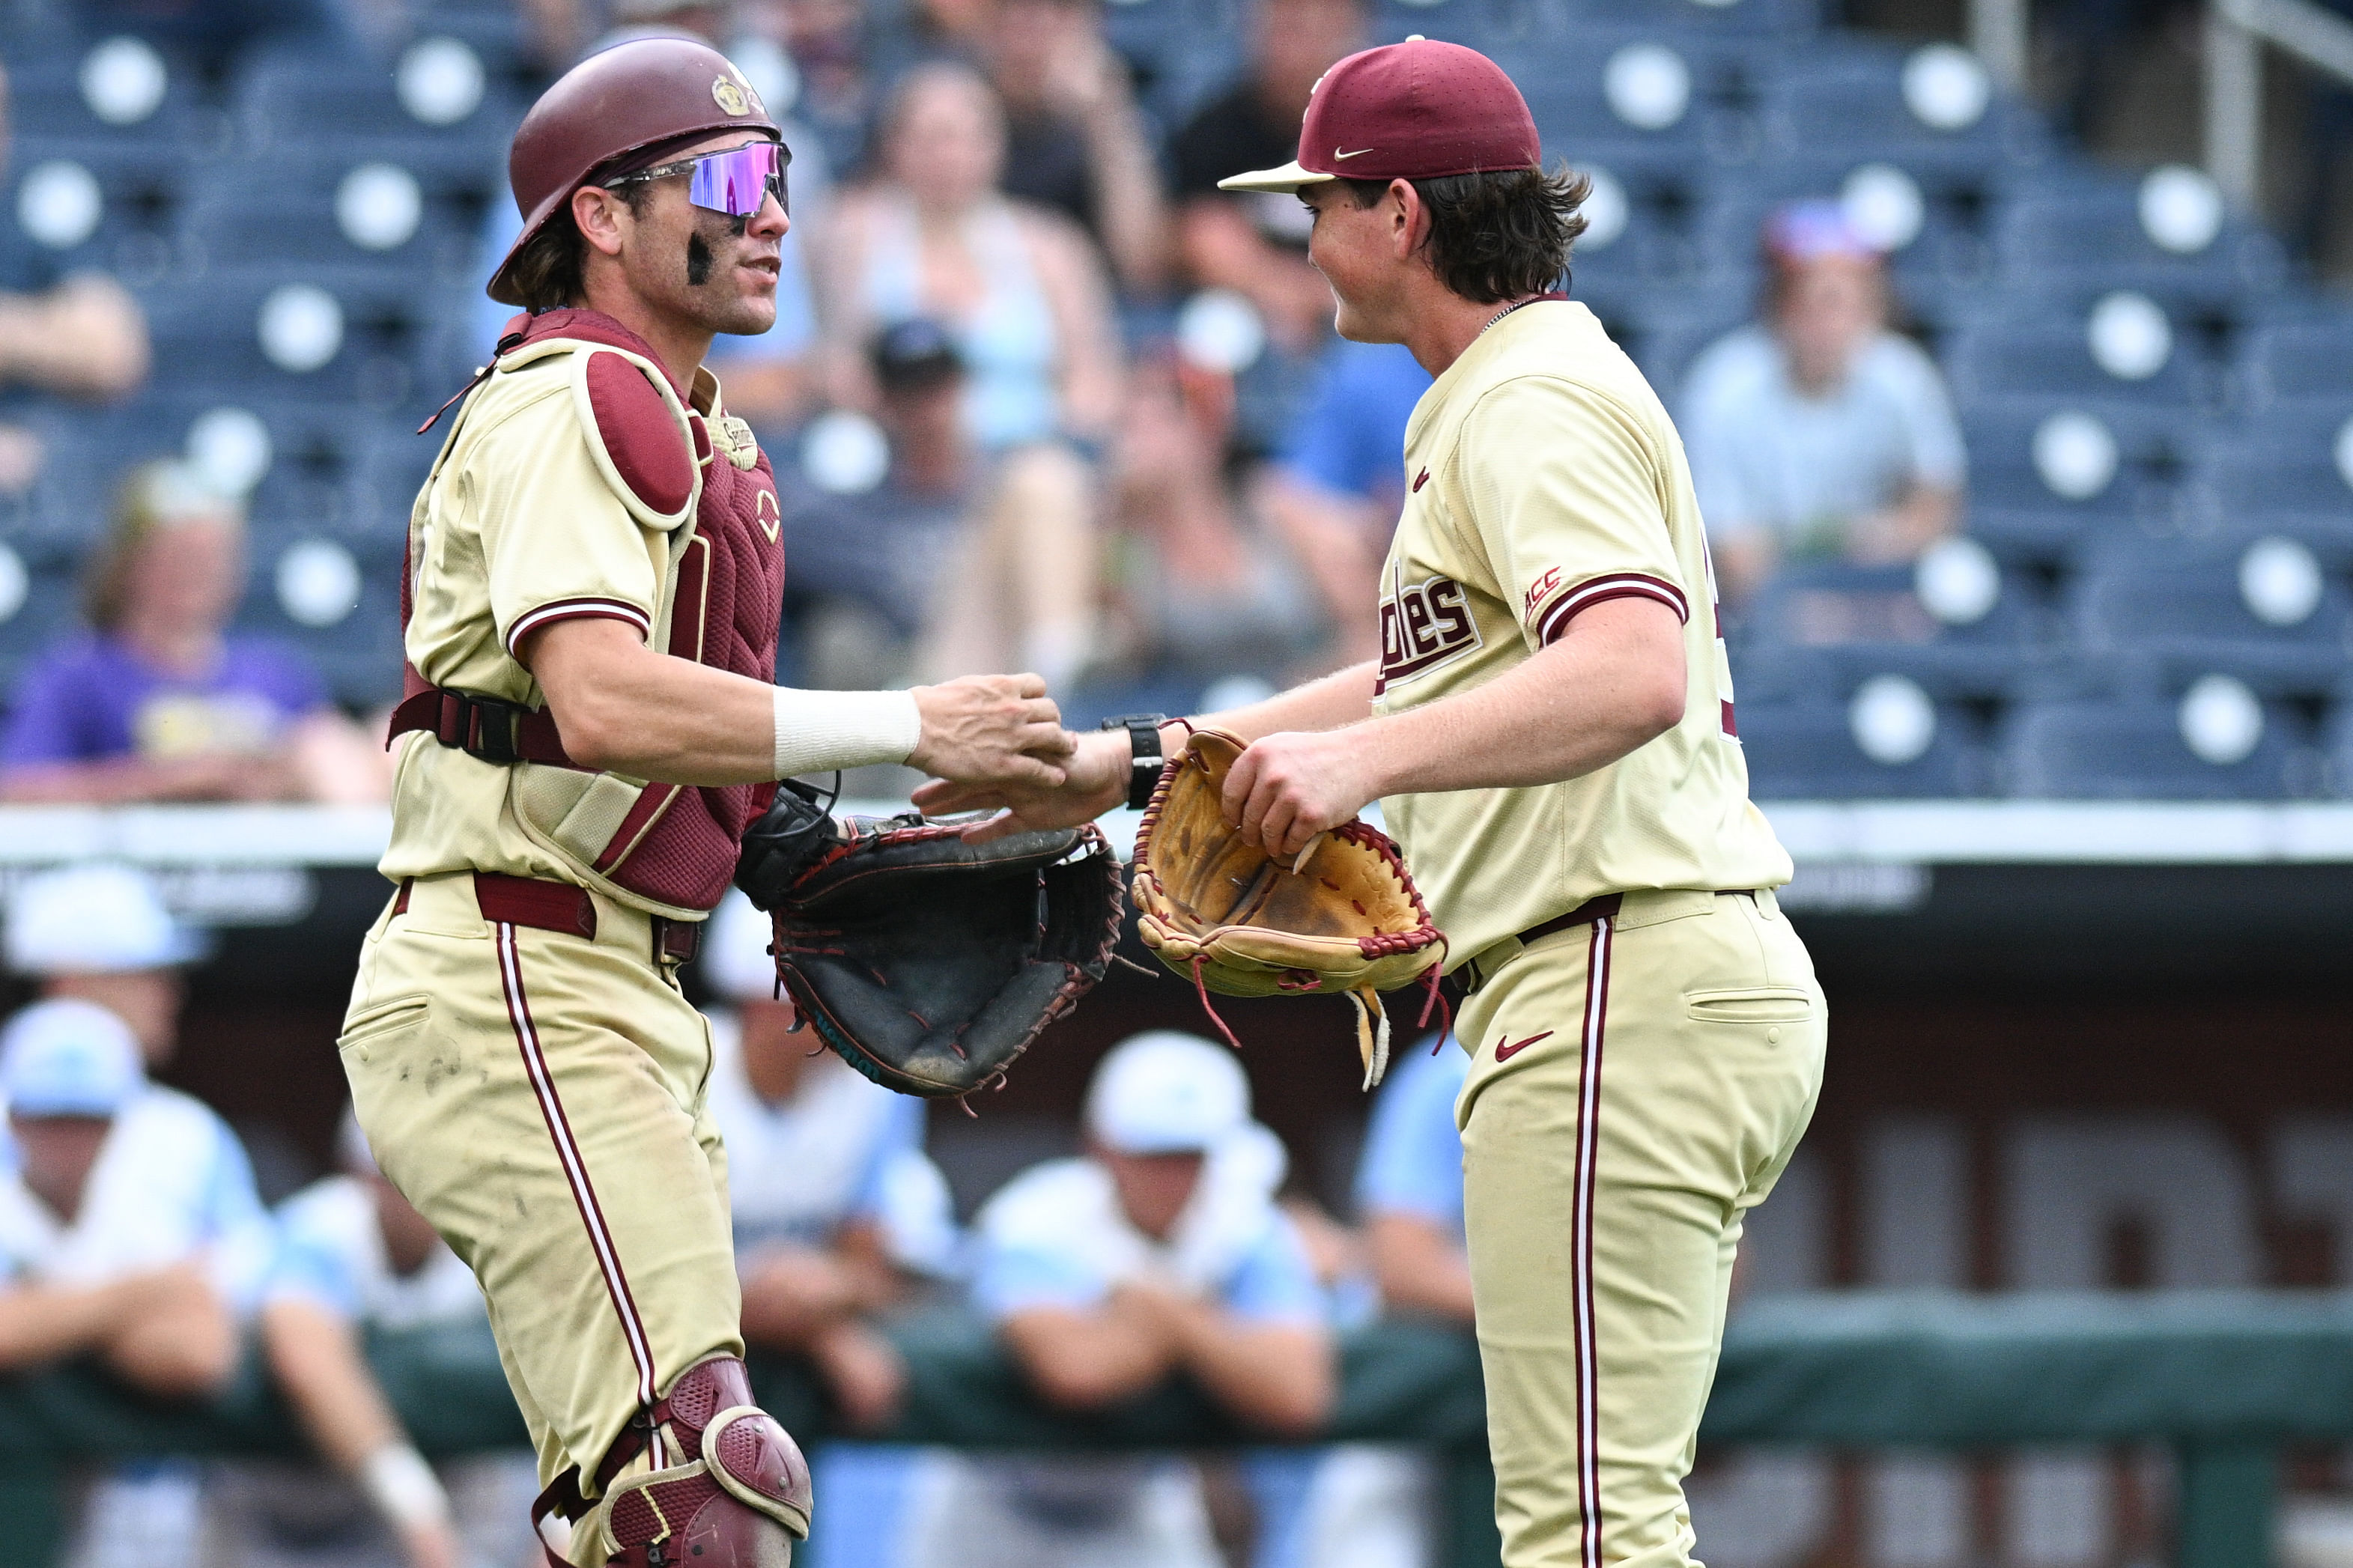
column 736, row 181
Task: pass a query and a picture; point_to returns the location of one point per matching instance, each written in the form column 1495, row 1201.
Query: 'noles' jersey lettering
column 1423, row 625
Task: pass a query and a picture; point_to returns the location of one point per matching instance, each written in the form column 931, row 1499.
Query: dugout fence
column 2228, row 1379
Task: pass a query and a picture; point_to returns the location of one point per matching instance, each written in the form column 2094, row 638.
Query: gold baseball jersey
column 1544, row 476
column 526, row 521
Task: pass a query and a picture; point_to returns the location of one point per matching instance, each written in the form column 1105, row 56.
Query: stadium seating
column 2146, row 390
column 2086, row 749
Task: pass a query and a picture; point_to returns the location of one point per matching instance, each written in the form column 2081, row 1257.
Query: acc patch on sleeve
column 644, row 436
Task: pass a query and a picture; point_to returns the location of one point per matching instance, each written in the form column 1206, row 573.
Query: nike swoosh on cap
column 1359, row 153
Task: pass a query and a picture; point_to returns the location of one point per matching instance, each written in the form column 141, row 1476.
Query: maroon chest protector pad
column 678, row 844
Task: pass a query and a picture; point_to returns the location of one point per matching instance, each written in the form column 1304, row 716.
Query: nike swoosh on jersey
column 1359, row 153
column 1506, row 1051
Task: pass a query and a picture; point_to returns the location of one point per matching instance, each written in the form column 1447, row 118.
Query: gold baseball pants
column 1637, row 1085
column 539, row 1097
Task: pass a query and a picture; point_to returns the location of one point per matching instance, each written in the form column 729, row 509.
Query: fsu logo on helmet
column 730, row 96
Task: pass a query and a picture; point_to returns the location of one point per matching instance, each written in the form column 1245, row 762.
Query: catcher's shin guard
column 731, row 1491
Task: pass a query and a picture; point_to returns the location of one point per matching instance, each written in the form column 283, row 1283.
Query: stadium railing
column 2226, row 1378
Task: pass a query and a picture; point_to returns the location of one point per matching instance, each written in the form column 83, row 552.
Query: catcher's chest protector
column 674, row 844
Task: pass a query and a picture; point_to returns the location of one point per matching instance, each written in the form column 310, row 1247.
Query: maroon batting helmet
column 633, row 100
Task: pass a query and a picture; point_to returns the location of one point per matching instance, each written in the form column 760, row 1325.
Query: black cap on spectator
column 914, row 355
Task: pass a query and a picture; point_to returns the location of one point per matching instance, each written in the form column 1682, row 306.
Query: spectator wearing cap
column 63, row 334
column 1255, row 243
column 1335, row 487
column 837, row 1214
column 127, row 1231
column 1018, row 287
column 158, row 699
column 1075, row 140
column 1820, row 433
column 354, row 1258
column 101, row 932
column 957, row 561
column 1158, row 1252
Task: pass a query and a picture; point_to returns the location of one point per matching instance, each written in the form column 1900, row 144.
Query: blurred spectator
column 1820, row 433
column 128, row 1229
column 836, row 1208
column 1202, row 591
column 1410, row 1188
column 1018, row 287
column 1159, row 1251
column 1075, row 141
column 353, row 1257
column 212, row 32
column 80, row 335
column 96, row 1262
column 561, row 31
column 1337, row 483
column 1256, row 244
column 101, row 933
column 955, row 562
column 159, row 700
column 826, row 42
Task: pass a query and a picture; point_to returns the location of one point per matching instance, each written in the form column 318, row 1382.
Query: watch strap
column 1144, row 759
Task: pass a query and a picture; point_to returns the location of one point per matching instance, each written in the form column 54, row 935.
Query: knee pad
column 732, row 1491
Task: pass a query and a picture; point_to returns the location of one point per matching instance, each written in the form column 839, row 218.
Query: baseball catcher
column 591, row 723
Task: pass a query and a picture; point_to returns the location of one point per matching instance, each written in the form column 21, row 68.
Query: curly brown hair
column 548, row 271
column 1498, row 235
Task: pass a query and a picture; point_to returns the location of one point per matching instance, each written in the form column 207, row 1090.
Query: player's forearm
column 624, row 708
column 1614, row 682
column 316, row 1359
column 1278, row 1379
column 1344, row 697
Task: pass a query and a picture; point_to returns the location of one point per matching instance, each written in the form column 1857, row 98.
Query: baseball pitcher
column 591, row 616
column 1550, row 731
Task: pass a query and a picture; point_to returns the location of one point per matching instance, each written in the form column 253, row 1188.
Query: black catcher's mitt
column 930, row 963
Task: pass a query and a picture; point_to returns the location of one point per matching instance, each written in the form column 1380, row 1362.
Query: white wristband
column 404, row 1488
column 819, row 730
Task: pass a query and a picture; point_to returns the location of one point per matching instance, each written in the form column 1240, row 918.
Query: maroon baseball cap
column 1417, row 111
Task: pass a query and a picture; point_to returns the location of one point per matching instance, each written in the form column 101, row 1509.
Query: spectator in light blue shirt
column 354, row 1255
column 1334, row 488
column 129, row 1230
column 1820, row 434
column 1409, row 1187
column 1158, row 1252
column 837, row 1209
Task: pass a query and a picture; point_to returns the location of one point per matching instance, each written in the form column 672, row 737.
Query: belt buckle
column 479, row 743
column 675, row 941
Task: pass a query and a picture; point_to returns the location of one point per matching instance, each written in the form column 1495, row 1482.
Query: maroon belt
column 1604, row 908
column 563, row 908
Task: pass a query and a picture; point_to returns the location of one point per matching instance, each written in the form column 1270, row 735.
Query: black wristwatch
column 1144, row 753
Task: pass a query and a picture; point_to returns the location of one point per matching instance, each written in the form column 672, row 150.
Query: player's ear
column 1409, row 223
column 600, row 215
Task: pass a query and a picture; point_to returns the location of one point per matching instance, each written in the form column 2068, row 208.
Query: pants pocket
column 380, row 1024
column 1751, row 1005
